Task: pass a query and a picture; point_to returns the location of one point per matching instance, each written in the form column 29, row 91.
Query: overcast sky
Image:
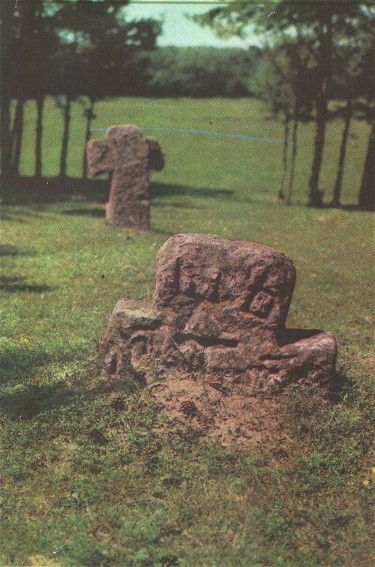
column 177, row 29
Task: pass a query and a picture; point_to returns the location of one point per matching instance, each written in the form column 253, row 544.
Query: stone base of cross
column 218, row 315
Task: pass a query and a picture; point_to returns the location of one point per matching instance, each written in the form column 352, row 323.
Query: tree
column 313, row 20
column 347, row 71
column 98, row 57
column 273, row 84
column 201, row 71
column 282, row 81
column 7, row 44
column 67, row 70
column 90, row 115
column 48, row 47
column 324, row 16
column 366, row 200
column 16, row 136
column 24, row 74
column 301, row 61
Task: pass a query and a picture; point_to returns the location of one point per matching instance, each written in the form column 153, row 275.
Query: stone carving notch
column 219, row 311
column 128, row 158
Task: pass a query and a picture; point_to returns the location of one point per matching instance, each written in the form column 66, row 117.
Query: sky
column 177, row 29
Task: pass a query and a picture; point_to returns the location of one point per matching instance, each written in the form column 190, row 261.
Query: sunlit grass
column 250, row 168
column 74, row 497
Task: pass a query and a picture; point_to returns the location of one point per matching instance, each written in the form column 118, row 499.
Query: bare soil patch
column 230, row 416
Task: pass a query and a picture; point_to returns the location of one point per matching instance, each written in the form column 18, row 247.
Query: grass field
column 73, row 497
column 251, row 169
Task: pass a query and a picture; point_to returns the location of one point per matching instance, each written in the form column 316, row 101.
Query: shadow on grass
column 15, row 284
column 29, row 190
column 93, row 212
column 19, row 215
column 174, row 205
column 348, row 208
column 12, row 217
column 28, row 401
column 163, row 232
column 19, row 361
column 338, row 386
column 168, row 190
column 9, row 250
column 22, row 401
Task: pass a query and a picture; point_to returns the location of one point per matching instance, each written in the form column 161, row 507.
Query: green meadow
column 85, row 483
column 251, row 169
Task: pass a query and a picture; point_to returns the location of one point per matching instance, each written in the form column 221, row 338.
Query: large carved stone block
column 128, row 158
column 218, row 313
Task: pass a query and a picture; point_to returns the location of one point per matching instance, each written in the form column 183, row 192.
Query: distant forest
column 201, row 72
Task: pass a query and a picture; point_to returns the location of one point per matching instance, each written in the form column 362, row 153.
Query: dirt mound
column 227, row 414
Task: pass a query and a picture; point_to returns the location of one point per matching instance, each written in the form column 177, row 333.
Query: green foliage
column 76, row 48
column 87, row 483
column 313, row 23
column 275, row 16
column 201, row 72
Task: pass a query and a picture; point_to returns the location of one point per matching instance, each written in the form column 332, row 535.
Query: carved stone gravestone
column 218, row 314
column 128, row 158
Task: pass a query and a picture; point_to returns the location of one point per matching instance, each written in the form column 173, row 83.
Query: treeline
column 315, row 50
column 288, row 80
column 77, row 50
column 201, row 72
column 86, row 50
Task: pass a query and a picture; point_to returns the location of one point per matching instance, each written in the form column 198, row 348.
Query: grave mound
column 212, row 348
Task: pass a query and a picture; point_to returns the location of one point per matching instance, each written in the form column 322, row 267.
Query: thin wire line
column 203, row 133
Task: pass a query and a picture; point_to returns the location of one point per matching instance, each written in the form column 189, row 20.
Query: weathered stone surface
column 218, row 313
column 128, row 157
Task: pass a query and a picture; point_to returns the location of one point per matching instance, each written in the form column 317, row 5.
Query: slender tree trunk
column 6, row 14
column 89, row 118
column 39, row 136
column 366, row 199
column 17, row 134
column 65, row 140
column 5, row 137
column 285, row 155
column 13, row 134
column 294, row 153
column 325, row 71
column 344, row 142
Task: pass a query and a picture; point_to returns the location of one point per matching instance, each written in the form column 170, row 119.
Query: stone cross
column 128, row 158
column 218, row 312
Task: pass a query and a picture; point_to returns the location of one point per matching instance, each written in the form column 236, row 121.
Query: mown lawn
column 84, row 482
column 251, row 169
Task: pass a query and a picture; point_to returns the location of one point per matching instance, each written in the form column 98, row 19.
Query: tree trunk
column 340, row 169
column 89, row 118
column 5, row 137
column 65, row 140
column 366, row 199
column 17, row 134
column 325, row 72
column 6, row 14
column 38, row 138
column 285, row 155
column 294, row 153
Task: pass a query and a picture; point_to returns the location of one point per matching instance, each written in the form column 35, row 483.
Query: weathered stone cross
column 128, row 158
column 219, row 309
